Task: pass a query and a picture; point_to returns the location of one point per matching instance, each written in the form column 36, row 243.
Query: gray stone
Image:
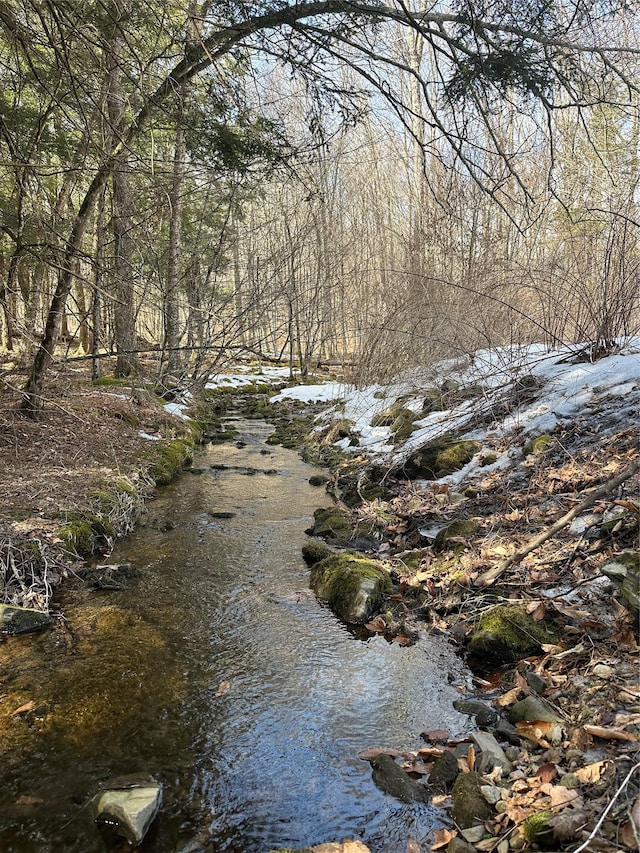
column 130, row 807
column 22, row 620
column 532, row 708
column 459, row 845
column 535, row 682
column 490, row 750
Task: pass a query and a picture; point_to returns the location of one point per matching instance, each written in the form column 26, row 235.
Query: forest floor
column 576, row 772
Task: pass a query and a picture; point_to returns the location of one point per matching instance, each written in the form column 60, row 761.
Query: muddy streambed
column 218, row 672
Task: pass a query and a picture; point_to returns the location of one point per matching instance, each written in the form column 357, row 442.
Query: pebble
column 574, row 757
column 473, row 834
column 491, row 794
column 603, row 671
column 569, row 780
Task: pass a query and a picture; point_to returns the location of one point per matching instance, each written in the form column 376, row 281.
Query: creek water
column 217, row 671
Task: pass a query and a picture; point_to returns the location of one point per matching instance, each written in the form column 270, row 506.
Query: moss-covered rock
column 392, row 780
column 505, row 634
column 536, row 446
column 352, row 586
column 459, row 529
column 440, row 458
column 318, row 480
column 166, row 460
column 469, row 806
column 536, row 829
column 330, row 523
column 444, row 772
column 315, row 551
column 22, row 620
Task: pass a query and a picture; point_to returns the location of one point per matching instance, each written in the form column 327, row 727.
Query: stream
column 217, row 671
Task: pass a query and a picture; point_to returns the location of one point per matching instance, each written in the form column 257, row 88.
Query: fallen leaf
column 413, row 846
column 377, row 625
column 508, row 698
column 561, row 797
column 431, row 751
column 374, row 752
column 443, row 801
column 537, row 610
column 631, row 829
column 222, row 689
column 443, row 837
column 623, row 720
column 471, row 757
column 536, row 731
column 23, row 709
column 609, row 734
column 593, row 772
column 402, row 640
column 26, row 800
column 547, row 772
column 567, row 823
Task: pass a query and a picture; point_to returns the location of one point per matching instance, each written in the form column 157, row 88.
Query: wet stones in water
column 22, row 620
column 484, row 714
column 222, row 514
column 129, row 805
column 110, row 577
column 392, row 780
column 195, row 471
column 318, row 480
column 241, row 469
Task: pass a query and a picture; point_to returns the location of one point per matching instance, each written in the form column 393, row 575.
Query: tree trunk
column 171, row 302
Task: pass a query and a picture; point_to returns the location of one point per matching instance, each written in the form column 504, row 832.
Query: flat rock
column 22, row 620
column 489, row 747
column 532, row 708
column 131, row 810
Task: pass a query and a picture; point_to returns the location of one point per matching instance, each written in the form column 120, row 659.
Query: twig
column 604, row 814
column 489, row 577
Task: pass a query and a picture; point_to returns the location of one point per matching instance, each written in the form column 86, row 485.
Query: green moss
column 108, row 381
column 536, row 828
column 440, row 458
column 469, row 806
column 318, row 480
column 330, row 523
column 456, row 530
column 488, row 459
column 505, row 634
column 341, row 580
column 536, row 446
column 315, row 551
column 166, row 460
column 411, row 559
column 86, row 534
column 453, row 458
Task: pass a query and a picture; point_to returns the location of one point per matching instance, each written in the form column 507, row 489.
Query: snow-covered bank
column 490, row 398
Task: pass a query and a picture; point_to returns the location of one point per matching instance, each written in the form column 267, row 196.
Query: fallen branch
column 611, row 485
